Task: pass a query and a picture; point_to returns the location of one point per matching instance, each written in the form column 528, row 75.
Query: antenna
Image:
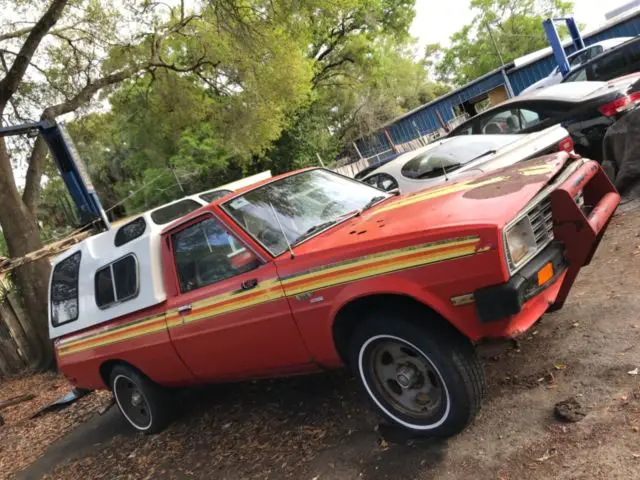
column 273, row 212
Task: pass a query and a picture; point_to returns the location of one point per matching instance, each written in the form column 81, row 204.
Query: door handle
column 184, row 308
column 249, row 284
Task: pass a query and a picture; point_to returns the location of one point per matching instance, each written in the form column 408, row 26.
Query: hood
column 493, row 199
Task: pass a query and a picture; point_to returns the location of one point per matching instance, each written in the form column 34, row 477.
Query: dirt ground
column 321, row 428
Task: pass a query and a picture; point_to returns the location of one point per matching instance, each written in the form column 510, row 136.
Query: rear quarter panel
column 141, row 341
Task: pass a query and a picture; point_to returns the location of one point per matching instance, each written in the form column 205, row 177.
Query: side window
column 579, row 75
column 372, row 180
column 207, row 252
column 130, row 231
column 211, row 196
column 595, row 51
column 386, row 182
column 512, row 121
column 117, row 282
column 382, row 181
column 466, row 131
column 609, row 66
column 633, row 57
column 64, row 290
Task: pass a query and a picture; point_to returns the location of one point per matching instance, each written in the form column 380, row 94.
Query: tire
column 427, row 380
column 143, row 403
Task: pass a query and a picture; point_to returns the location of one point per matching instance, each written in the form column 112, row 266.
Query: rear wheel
column 144, row 404
column 428, row 381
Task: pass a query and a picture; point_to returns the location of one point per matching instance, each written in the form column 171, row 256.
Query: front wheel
column 427, row 380
column 144, row 404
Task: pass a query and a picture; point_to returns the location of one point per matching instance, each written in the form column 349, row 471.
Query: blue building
column 502, row 83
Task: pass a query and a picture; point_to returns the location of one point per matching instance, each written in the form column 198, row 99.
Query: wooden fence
column 16, row 348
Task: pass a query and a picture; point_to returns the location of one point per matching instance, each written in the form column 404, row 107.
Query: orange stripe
column 109, row 335
column 232, row 301
column 356, row 268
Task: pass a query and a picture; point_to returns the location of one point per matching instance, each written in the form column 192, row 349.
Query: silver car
column 454, row 158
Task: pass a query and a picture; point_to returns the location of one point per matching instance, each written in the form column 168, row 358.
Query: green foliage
column 278, row 83
column 516, row 27
column 4, row 250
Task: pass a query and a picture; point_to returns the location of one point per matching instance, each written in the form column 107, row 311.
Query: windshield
column 454, row 154
column 298, row 206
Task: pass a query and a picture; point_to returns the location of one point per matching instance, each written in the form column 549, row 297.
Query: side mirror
column 394, row 191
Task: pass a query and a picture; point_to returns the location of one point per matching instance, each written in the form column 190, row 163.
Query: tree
column 516, row 26
column 69, row 52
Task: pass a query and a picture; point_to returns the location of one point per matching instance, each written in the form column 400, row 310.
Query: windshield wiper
column 312, row 230
column 438, row 172
column 488, row 152
column 373, row 202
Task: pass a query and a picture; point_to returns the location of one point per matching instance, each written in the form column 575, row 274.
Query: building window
column 130, row 231
column 117, row 282
column 64, row 290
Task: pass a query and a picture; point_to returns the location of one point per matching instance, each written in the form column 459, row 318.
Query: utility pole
column 495, row 45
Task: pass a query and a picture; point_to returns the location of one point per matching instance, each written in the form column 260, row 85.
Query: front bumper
column 509, row 309
column 500, row 301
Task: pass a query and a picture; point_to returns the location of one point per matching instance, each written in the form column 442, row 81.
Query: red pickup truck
column 312, row 270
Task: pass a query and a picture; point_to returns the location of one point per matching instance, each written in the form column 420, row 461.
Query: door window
column 206, row 253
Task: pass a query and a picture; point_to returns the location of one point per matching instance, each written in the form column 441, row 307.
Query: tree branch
column 15, row 34
column 9, row 84
column 31, row 194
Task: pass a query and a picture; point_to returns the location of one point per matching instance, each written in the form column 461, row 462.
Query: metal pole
column 320, row 159
column 495, row 45
column 357, row 151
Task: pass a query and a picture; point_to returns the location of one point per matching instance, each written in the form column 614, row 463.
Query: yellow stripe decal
column 273, row 289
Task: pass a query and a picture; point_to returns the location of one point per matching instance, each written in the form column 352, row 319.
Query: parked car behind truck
column 585, row 109
column 576, row 59
column 459, row 157
column 312, row 270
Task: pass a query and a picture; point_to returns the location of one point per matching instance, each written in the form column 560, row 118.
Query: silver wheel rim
column 402, row 380
column 132, row 402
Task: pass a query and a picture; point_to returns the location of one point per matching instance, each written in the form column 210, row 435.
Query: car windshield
column 454, row 154
column 299, row 206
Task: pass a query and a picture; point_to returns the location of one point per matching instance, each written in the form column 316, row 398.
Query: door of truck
column 229, row 318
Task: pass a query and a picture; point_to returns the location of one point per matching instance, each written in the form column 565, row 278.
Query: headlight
column 520, row 241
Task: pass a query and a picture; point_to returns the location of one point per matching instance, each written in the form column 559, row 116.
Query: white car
column 454, row 158
column 575, row 60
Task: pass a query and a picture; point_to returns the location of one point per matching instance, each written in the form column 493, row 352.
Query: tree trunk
column 21, row 234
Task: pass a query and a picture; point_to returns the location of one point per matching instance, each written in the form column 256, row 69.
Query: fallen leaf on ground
column 547, row 455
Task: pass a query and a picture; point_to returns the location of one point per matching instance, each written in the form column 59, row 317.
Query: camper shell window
column 64, row 290
column 117, row 282
column 173, row 211
column 130, row 231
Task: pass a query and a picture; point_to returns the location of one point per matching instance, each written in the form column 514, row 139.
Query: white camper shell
column 125, row 258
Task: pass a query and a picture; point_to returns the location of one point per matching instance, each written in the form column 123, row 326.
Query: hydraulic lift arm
column 71, row 167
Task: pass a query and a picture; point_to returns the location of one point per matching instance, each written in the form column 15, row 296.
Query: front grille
column 541, row 220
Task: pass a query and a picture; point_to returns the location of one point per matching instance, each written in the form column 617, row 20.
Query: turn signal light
column 619, row 105
column 566, row 145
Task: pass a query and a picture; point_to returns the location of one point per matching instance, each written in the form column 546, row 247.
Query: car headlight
column 520, row 241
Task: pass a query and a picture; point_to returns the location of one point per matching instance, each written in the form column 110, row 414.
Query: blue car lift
column 71, row 168
column 556, row 44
